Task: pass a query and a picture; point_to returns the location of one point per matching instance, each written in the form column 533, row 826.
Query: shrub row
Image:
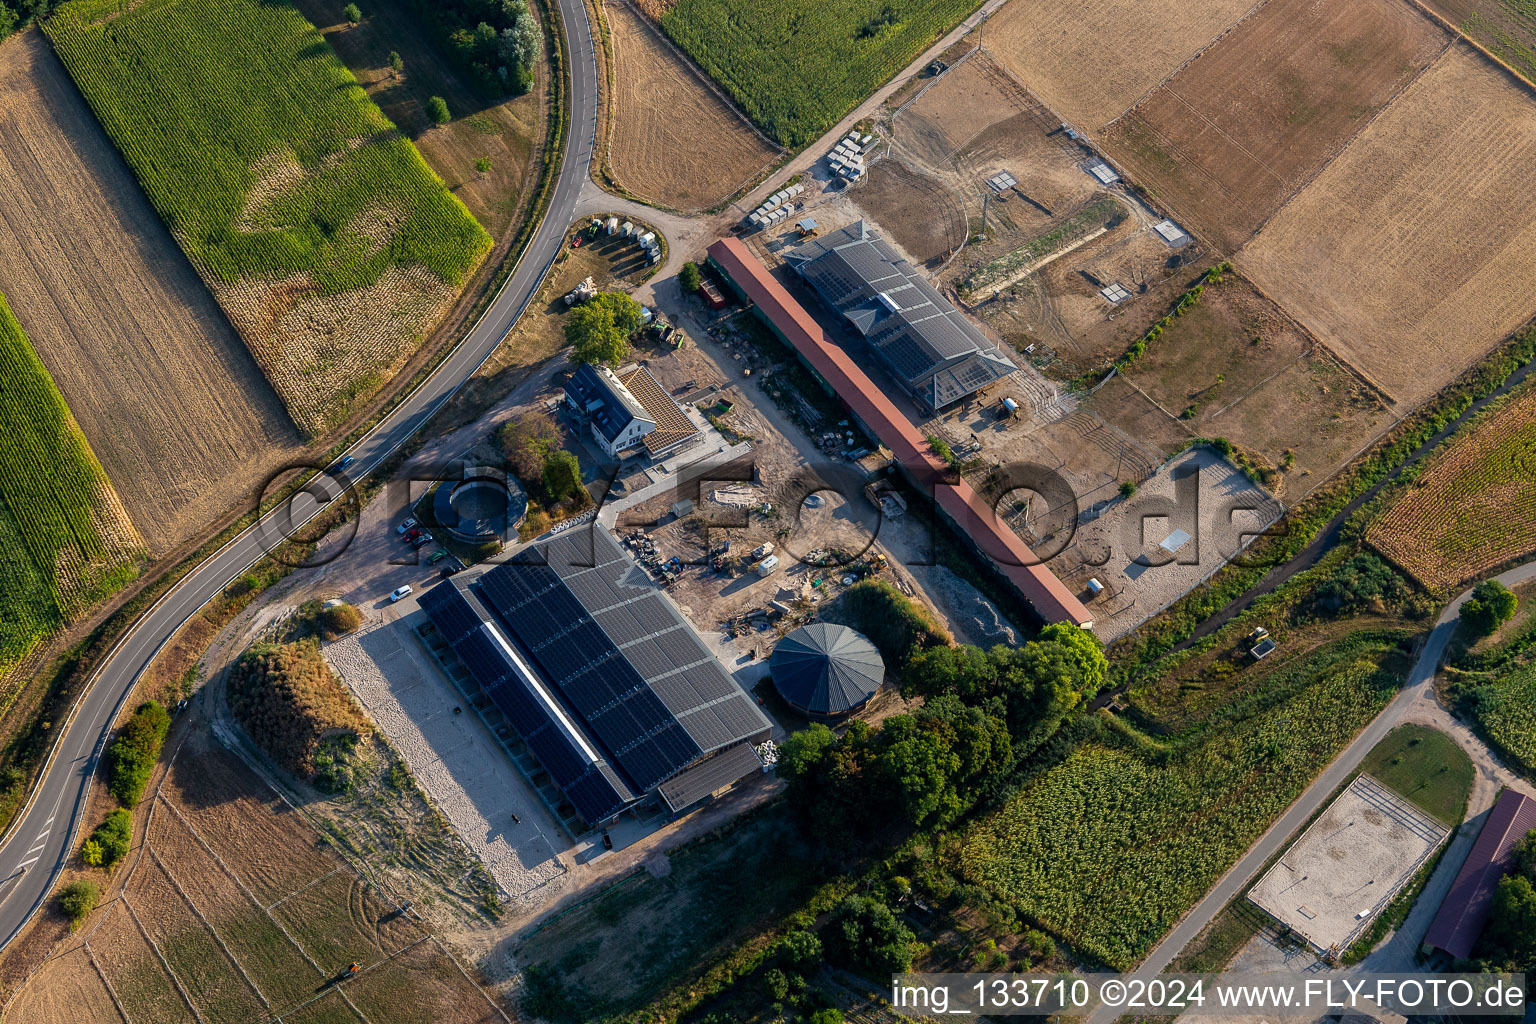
column 132, row 756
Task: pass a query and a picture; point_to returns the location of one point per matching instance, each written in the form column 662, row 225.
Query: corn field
column 331, row 245
column 1473, row 507
column 1115, row 844
column 797, row 66
column 65, row 540
column 1506, row 711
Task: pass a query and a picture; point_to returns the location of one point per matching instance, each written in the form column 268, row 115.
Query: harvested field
column 177, row 411
column 67, row 990
column 1233, row 135
column 136, row 973
column 1506, row 27
column 337, row 920
column 279, row 970
column 1440, row 188
column 420, row 986
column 1089, row 62
column 503, row 133
column 229, row 954
column 263, row 839
column 325, row 237
column 1235, row 366
column 212, row 981
column 1473, row 507
column 672, row 140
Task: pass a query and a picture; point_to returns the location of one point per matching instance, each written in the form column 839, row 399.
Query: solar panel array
column 590, row 786
column 643, row 692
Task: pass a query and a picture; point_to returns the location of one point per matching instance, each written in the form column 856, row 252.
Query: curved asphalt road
column 1420, row 684
column 40, row 843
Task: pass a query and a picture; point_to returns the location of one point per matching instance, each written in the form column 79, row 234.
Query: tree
column 341, row 619
column 396, row 62
column 111, row 841
column 829, row 1015
column 688, row 278
column 92, row 854
column 1083, row 650
column 131, row 757
column 528, row 440
column 518, row 47
column 352, row 14
column 1509, row 939
column 800, row 948
column 599, row 329
column 483, row 165
column 968, row 672
column 437, row 110
column 78, row 900
column 1360, row 581
column 1491, row 605
column 562, row 475
column 866, row 933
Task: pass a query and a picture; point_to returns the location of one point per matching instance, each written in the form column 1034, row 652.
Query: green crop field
column 1505, row 710
column 1111, row 847
column 328, row 241
column 65, row 541
column 797, row 66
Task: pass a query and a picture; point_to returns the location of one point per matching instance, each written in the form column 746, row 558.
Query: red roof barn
column 1465, row 908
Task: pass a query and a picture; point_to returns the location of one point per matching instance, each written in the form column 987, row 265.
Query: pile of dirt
column 291, row 703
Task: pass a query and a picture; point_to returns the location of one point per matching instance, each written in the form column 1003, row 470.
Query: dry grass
column 175, row 408
column 1090, row 61
column 674, row 141
column 68, row 990
column 1228, row 139
column 1413, row 253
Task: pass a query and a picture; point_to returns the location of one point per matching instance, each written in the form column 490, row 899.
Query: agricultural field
column 797, row 66
column 1473, row 507
column 322, row 233
column 1090, row 62
column 177, row 411
column 67, row 540
column 230, row 910
column 672, row 140
column 1506, row 27
column 1235, row 133
column 505, row 132
column 1235, row 366
column 1440, row 188
column 1112, row 846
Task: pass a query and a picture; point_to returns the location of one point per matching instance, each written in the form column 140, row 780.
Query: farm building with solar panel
column 618, row 703
column 928, row 345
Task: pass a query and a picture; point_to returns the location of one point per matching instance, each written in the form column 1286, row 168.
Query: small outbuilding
column 826, row 672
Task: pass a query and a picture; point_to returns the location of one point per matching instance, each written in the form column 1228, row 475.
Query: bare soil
column 926, row 219
column 169, row 397
column 1233, row 135
column 1090, row 62
column 674, row 141
column 68, row 990
column 1440, row 188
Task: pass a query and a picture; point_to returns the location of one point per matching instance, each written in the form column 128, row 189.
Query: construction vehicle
column 354, row 968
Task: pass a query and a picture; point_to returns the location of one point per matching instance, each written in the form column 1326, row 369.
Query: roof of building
column 673, row 427
column 594, row 666
column 1049, row 596
column 609, row 404
column 1465, row 908
column 693, row 784
column 929, row 344
column 826, row 669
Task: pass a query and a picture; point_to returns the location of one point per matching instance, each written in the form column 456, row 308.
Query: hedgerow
column 131, row 757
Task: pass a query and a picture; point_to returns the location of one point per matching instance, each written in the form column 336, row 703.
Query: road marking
column 28, row 863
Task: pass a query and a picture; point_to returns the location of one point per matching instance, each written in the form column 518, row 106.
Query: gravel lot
column 455, row 758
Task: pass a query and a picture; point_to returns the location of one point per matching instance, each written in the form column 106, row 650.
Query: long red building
column 1464, row 911
column 970, row 513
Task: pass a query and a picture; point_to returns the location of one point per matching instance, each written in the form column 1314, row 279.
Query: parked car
column 398, row 593
column 408, row 524
column 423, row 539
column 437, row 556
column 413, row 534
